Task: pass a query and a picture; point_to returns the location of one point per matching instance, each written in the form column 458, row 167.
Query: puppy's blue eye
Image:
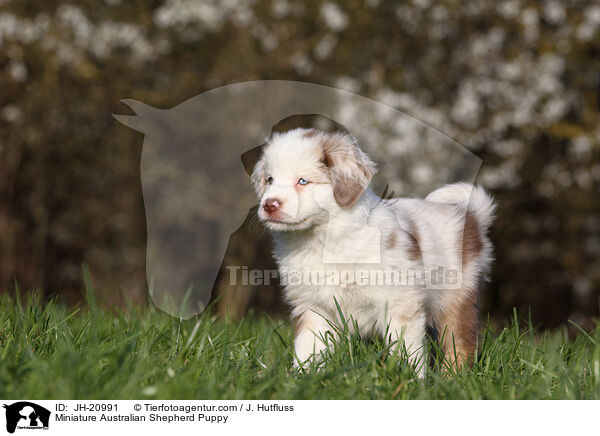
column 303, row 181
column 269, row 180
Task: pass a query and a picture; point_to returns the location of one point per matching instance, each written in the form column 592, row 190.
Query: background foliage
column 516, row 81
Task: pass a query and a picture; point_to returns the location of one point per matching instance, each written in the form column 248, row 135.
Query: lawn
column 50, row 351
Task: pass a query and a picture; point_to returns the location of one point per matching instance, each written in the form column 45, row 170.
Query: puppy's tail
column 471, row 197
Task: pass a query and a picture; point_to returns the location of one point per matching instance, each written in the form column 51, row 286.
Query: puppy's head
column 305, row 175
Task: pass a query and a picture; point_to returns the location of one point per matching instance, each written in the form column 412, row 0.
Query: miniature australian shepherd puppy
column 391, row 266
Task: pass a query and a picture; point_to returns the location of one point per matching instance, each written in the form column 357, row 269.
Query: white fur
column 314, row 233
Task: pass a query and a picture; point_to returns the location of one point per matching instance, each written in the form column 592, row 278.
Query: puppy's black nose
column 272, row 205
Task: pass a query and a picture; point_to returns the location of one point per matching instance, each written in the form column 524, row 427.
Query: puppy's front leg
column 409, row 330
column 310, row 330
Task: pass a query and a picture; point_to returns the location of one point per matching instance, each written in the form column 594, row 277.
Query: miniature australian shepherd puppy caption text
column 377, row 256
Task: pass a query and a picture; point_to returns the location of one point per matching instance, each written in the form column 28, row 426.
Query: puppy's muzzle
column 272, row 205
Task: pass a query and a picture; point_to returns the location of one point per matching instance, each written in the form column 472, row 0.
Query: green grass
column 49, row 351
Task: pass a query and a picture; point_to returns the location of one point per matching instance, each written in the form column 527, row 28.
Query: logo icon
column 26, row 415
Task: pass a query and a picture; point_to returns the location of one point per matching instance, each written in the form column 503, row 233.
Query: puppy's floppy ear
column 351, row 170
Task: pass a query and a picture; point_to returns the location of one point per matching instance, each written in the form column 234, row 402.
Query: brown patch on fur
column 350, row 169
column 327, row 160
column 471, row 239
column 414, row 252
column 459, row 328
column 390, row 242
column 346, row 194
column 330, row 146
column 310, row 133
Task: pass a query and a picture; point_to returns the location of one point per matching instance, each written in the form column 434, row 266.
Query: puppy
column 391, row 266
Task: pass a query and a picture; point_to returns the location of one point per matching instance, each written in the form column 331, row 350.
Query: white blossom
column 334, row 17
